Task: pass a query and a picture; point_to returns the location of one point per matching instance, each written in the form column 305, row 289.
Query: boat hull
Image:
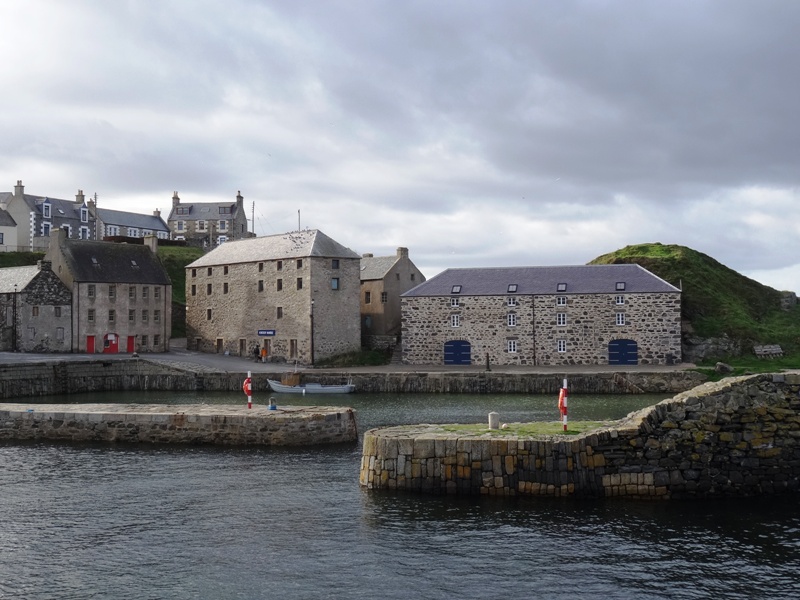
column 311, row 388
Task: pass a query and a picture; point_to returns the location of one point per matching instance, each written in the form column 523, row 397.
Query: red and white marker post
column 247, row 387
column 563, row 395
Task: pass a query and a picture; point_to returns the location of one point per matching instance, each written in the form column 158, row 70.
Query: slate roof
column 295, row 244
column 376, row 267
column 129, row 219
column 6, row 220
column 59, row 209
column 107, row 262
column 21, row 276
column 581, row 279
column 203, row 211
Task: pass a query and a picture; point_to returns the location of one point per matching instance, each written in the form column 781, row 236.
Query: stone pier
column 179, row 424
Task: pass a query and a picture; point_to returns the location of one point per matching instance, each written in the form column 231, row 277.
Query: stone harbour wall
column 179, row 424
column 737, row 437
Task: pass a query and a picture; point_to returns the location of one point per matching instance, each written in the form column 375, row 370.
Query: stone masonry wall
column 590, row 323
column 738, row 437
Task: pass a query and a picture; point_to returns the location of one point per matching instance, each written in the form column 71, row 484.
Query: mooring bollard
column 494, row 420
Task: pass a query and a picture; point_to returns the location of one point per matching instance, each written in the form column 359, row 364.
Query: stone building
column 294, row 294
column 208, row 224
column 36, row 310
column 383, row 280
column 574, row 315
column 121, row 294
column 119, row 223
column 37, row 216
column 8, row 228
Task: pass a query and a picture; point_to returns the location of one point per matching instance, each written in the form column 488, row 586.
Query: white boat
column 311, row 388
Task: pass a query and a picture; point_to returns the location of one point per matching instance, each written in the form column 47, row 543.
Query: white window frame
column 561, row 319
column 84, row 215
column 454, row 302
column 561, row 345
column 561, row 300
column 46, row 211
column 223, row 225
column 511, row 319
column 84, row 233
column 619, row 300
column 621, row 319
column 511, row 301
column 179, row 226
column 201, row 226
column 455, row 320
column 511, row 346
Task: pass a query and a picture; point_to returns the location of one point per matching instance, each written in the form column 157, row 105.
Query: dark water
column 99, row 521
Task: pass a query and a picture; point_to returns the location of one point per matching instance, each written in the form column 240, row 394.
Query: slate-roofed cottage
column 36, row 310
column 115, row 223
column 208, row 224
column 8, row 227
column 295, row 294
column 37, row 216
column 590, row 314
column 383, row 280
column 121, row 294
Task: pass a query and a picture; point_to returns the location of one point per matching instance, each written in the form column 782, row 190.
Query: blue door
column 623, row 352
column 457, row 352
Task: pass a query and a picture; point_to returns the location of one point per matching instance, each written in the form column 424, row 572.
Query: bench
column 768, row 351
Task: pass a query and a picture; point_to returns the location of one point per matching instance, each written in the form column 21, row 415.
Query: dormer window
column 182, row 210
column 456, row 289
column 620, row 286
column 84, row 215
column 561, row 287
column 46, row 210
column 512, row 288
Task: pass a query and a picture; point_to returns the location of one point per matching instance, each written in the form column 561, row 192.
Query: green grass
column 362, row 358
column 20, row 259
column 175, row 259
column 528, row 429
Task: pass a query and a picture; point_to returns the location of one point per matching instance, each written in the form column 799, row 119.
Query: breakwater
column 184, row 424
column 81, row 376
column 737, row 437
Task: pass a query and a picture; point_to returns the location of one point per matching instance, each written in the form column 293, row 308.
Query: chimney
column 239, row 200
column 19, row 189
column 79, row 199
column 402, row 252
column 151, row 242
column 366, row 255
column 157, row 213
column 44, row 265
column 175, row 199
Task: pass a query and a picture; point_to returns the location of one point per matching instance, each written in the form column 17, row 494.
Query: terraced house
column 569, row 315
column 208, row 224
column 294, row 294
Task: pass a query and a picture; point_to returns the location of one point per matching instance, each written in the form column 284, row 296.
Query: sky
column 474, row 133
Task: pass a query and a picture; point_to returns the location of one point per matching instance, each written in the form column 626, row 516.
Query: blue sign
column 266, row 332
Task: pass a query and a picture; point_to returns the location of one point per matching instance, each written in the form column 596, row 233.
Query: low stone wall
column 737, row 437
column 184, row 424
column 19, row 380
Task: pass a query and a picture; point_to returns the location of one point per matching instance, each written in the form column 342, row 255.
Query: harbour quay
column 191, row 424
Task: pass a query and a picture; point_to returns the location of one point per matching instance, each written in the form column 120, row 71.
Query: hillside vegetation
column 717, row 300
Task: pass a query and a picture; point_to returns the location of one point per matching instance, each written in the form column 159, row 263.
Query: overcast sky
column 475, row 133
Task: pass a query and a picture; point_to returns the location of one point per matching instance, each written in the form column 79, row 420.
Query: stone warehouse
column 569, row 315
column 294, row 295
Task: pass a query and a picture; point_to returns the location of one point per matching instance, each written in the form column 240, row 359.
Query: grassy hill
column 717, row 300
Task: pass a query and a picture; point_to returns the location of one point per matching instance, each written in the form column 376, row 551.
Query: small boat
column 311, row 388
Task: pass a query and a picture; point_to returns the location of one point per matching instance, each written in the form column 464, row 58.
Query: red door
column 131, row 344
column 89, row 344
column 110, row 343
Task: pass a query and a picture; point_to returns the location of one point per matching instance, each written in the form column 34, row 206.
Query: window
column 279, row 312
column 225, row 270
column 57, row 311
column 132, row 293
column 209, row 289
column 455, row 320
column 561, row 300
column 299, row 283
column 561, row 345
column 90, row 290
column 619, row 300
column 60, row 334
column 34, row 311
column 279, row 265
column 412, row 277
column 131, row 316
column 179, row 226
column 112, row 315
column 132, row 232
column 46, row 210
column 561, row 319
column 292, row 348
column 512, row 288
column 210, row 271
column 201, row 226
column 84, row 215
column 454, row 302
column 620, row 286
column 225, row 287
column 182, row 210
column 384, row 297
column 512, row 301
column 208, row 314
column 83, row 233
column 46, row 229
column 157, row 316
column 620, row 318
column 146, row 292
column 112, row 230
column 223, row 225
column 456, row 289
column 1, row 238
column 279, row 284
column 335, row 263
column 260, row 285
column 512, row 320
column 224, row 210
column 144, row 341
column 112, row 292
column 194, row 272
column 90, row 315
column 511, row 346
column 194, row 290
column 156, row 340
column 261, row 267
column 32, row 332
column 156, row 292
column 299, row 263
column 561, row 287
column 334, row 283
column 367, row 297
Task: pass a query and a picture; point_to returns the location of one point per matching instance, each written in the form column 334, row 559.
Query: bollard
column 494, row 420
column 272, row 403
